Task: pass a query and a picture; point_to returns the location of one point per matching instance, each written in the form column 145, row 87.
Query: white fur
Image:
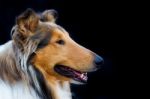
column 4, row 48
column 17, row 91
column 63, row 91
column 21, row 90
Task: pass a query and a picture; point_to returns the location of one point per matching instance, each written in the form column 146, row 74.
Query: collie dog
column 41, row 60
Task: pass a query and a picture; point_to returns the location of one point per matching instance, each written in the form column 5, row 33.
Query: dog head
column 56, row 55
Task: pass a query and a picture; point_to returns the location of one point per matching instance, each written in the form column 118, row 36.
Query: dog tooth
column 85, row 78
column 85, row 73
column 82, row 75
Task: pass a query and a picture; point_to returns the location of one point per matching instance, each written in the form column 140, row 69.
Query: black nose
column 98, row 61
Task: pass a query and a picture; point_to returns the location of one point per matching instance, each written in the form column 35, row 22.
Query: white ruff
column 4, row 48
column 20, row 90
column 17, row 91
column 63, row 92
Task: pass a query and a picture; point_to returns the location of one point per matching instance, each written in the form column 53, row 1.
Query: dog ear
column 28, row 20
column 49, row 16
column 26, row 24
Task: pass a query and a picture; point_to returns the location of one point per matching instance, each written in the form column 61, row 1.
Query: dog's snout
column 98, row 61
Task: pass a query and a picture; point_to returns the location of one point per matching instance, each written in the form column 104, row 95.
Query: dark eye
column 61, row 42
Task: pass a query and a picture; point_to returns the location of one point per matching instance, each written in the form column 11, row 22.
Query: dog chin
column 76, row 82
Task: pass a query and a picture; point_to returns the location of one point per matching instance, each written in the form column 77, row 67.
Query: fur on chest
column 17, row 91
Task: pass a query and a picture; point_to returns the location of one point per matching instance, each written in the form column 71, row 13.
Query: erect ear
column 28, row 20
column 49, row 16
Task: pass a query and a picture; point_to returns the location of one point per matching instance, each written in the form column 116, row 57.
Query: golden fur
column 30, row 30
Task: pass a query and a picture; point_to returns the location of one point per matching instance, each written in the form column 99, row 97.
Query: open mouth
column 71, row 73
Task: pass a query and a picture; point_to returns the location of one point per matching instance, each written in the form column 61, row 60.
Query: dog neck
column 10, row 73
column 8, row 69
column 60, row 89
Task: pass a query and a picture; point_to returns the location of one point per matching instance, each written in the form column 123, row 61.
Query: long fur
column 19, row 78
column 27, row 61
column 14, row 68
column 17, row 75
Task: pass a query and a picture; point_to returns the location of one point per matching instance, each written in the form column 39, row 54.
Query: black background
column 91, row 23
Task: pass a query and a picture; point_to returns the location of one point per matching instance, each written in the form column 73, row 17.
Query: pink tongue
column 82, row 76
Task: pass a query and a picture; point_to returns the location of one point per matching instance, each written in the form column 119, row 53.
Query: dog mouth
column 71, row 73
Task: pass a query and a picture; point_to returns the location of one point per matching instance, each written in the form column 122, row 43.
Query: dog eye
column 61, row 42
